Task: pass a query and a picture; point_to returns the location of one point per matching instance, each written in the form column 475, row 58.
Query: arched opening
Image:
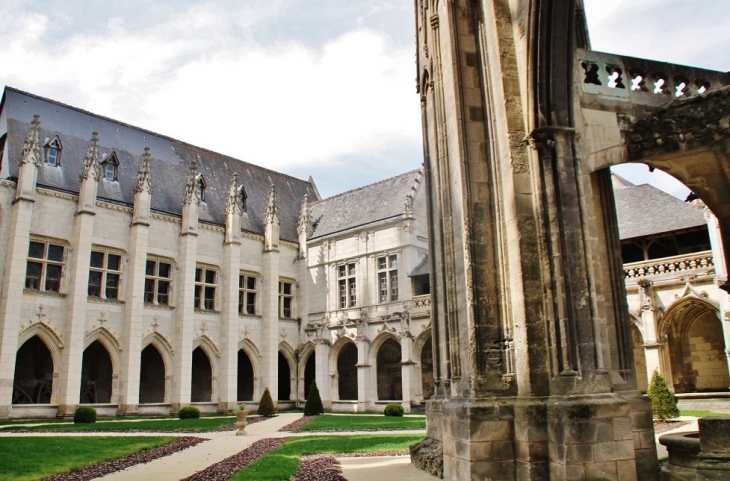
column 151, row 376
column 245, row 377
column 427, row 369
column 284, row 378
column 347, row 372
column 96, row 375
column 309, row 373
column 33, row 379
column 201, row 384
column 642, row 382
column 389, row 371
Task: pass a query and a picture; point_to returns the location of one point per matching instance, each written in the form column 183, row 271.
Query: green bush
column 189, row 412
column 393, row 409
column 266, row 405
column 85, row 415
column 663, row 402
column 313, row 406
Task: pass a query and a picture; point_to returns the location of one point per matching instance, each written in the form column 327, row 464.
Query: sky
column 321, row 88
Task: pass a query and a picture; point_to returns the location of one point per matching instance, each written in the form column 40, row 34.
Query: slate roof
column 423, row 267
column 644, row 210
column 170, row 164
column 364, row 206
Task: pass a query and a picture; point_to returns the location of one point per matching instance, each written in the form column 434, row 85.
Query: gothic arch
column 305, row 351
column 247, row 346
column 49, row 337
column 110, row 343
column 420, row 342
column 162, row 345
column 210, row 350
column 337, row 348
column 377, row 343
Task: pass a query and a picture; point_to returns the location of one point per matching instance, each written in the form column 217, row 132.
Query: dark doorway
column 347, row 372
column 151, row 376
column 389, row 371
column 96, row 375
column 201, row 386
column 284, row 379
column 245, row 377
column 309, row 370
column 427, row 369
column 33, row 380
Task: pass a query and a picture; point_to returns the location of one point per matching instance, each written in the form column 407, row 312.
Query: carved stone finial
column 31, row 148
column 272, row 211
column 144, row 175
column 305, row 218
column 233, row 206
column 191, row 185
column 408, row 207
column 91, row 166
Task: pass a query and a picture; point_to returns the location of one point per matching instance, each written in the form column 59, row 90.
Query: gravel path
column 661, row 427
column 319, row 467
column 296, row 425
column 107, row 467
column 223, row 470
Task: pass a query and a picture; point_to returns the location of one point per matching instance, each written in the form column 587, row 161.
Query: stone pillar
column 408, row 370
column 228, row 379
column 133, row 329
column 270, row 300
column 650, row 317
column 78, row 273
column 322, row 373
column 721, row 276
column 13, row 280
column 364, row 385
column 185, row 300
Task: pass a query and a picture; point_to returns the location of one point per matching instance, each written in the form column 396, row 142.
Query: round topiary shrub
column 266, row 405
column 85, row 415
column 393, row 409
column 189, row 412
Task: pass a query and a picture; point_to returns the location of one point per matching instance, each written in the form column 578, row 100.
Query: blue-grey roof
column 170, row 163
column 364, row 206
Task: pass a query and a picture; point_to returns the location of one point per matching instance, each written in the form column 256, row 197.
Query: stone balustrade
column 669, row 265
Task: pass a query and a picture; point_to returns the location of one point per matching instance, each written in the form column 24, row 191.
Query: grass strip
column 161, row 425
column 327, row 422
column 40, row 457
column 702, row 414
column 283, row 462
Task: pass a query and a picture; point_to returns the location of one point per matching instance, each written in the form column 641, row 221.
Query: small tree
column 313, row 406
column 663, row 402
column 266, row 405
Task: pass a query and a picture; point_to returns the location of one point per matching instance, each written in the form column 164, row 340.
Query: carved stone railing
column 669, row 265
column 618, row 80
column 421, row 306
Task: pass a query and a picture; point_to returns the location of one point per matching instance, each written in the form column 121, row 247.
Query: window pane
column 393, row 261
column 251, row 303
column 94, row 284
column 209, row 277
column 165, row 270
column 287, row 307
column 109, row 171
column 163, row 293
column 240, row 302
column 343, row 294
column 36, row 250
column 241, row 281
column 342, row 271
column 149, row 269
column 382, row 263
column 393, row 285
column 55, row 253
column 209, row 297
column 352, row 269
column 287, row 288
column 149, row 290
column 33, row 275
column 197, row 296
column 383, row 287
column 113, row 261
column 112, row 286
column 198, row 274
column 97, row 259
column 251, row 283
column 53, row 278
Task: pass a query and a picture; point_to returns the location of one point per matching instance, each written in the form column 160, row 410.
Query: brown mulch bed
column 223, row 470
column 108, row 467
column 318, row 467
column 664, row 426
column 296, row 425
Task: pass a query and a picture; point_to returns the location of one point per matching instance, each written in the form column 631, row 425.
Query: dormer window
column 244, row 196
column 109, row 167
column 53, row 149
column 200, row 189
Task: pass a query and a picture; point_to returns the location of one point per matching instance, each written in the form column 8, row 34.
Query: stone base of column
column 128, row 410
column 175, row 407
column 227, row 407
column 66, row 410
column 5, row 411
column 642, row 423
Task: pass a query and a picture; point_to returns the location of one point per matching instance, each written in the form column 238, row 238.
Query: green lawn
column 356, row 421
column 202, row 424
column 702, row 414
column 283, row 462
column 40, row 457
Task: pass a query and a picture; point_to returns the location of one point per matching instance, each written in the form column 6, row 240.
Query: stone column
column 721, row 276
column 78, row 273
column 364, row 389
column 270, row 300
column 184, row 298
column 133, row 328
column 228, row 379
column 408, row 370
column 322, row 375
column 13, row 280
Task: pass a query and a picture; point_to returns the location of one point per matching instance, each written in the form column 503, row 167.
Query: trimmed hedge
column 393, row 409
column 266, row 406
column 663, row 402
column 85, row 415
column 189, row 412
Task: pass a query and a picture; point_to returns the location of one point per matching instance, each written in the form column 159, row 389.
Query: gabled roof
column 364, row 206
column 170, row 163
column 644, row 210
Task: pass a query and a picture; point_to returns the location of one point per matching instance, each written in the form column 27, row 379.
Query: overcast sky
column 309, row 87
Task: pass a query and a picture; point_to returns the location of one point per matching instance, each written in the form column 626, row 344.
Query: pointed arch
column 377, row 343
column 164, row 347
column 420, row 342
column 305, row 351
column 337, row 347
column 49, row 337
column 288, row 352
column 110, row 343
column 253, row 353
column 211, row 350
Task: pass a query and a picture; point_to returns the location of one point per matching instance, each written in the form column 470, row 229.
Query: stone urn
column 241, row 422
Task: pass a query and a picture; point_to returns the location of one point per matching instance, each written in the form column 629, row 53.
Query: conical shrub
column 663, row 402
column 313, row 406
column 266, row 405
